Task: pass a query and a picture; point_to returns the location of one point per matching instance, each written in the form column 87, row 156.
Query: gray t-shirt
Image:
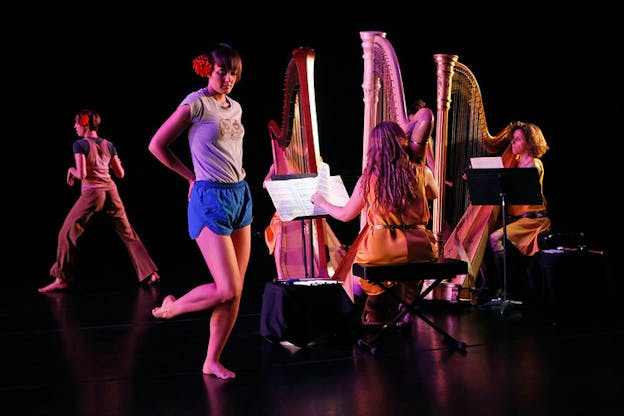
column 215, row 138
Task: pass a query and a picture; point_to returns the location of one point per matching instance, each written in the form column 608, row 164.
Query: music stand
column 304, row 220
column 506, row 186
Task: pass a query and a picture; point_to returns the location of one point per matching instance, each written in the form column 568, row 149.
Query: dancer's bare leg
column 227, row 260
column 57, row 284
column 199, row 298
column 221, row 324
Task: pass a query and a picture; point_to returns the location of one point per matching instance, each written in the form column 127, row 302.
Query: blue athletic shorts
column 222, row 207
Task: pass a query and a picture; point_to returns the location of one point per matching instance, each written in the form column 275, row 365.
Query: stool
column 439, row 270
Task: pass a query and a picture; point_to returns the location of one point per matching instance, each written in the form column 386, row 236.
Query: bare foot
column 163, row 311
column 217, row 370
column 152, row 280
column 57, row 284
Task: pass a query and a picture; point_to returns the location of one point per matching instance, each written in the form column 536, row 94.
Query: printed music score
column 291, row 197
column 486, row 162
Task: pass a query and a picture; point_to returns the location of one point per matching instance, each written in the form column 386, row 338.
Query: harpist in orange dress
column 526, row 222
column 394, row 189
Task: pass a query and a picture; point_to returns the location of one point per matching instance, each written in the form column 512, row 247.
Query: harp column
column 444, row 64
column 370, row 87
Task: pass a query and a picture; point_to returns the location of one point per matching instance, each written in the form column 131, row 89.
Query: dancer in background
column 94, row 158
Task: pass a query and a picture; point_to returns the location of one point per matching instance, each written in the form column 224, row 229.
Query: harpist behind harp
column 301, row 247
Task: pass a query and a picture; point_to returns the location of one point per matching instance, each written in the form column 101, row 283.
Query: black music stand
column 506, row 186
column 307, row 249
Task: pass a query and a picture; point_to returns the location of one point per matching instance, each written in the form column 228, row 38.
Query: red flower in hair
column 84, row 120
column 202, row 66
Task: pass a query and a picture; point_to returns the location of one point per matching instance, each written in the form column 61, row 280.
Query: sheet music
column 291, row 197
column 495, row 162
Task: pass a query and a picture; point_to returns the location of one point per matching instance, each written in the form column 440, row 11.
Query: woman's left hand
column 317, row 198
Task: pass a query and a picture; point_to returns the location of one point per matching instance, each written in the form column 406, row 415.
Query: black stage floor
column 96, row 350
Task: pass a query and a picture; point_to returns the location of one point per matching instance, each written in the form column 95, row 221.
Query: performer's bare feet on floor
column 218, row 371
column 162, row 311
column 57, row 284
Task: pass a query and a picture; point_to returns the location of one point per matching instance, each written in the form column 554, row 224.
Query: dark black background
column 131, row 62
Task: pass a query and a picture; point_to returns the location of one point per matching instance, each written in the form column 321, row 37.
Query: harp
column 461, row 133
column 384, row 97
column 302, row 246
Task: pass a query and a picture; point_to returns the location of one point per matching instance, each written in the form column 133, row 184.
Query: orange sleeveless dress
column 396, row 238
